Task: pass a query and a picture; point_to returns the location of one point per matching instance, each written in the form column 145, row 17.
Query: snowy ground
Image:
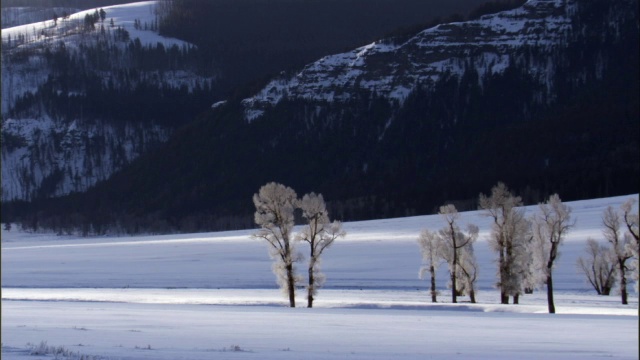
column 213, row 296
column 124, row 16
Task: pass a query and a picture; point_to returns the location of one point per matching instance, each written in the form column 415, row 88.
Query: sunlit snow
column 213, row 295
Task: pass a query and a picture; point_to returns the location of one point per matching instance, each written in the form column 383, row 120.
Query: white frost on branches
column 275, row 204
column 275, row 207
column 550, row 227
column 631, row 221
column 320, row 234
column 431, row 249
column 510, row 234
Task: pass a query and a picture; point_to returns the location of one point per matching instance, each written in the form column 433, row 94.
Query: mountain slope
column 89, row 73
column 394, row 70
column 544, row 98
column 85, row 94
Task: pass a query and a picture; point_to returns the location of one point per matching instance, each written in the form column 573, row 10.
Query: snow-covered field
column 214, row 296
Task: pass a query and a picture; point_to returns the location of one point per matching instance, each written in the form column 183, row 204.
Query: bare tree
column 431, row 248
column 599, row 267
column 535, row 260
column 551, row 225
column 468, row 267
column 320, row 234
column 509, row 233
column 275, row 204
column 631, row 221
column 454, row 240
column 619, row 247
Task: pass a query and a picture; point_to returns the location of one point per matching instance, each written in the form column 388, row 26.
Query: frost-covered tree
column 320, row 234
column 275, row 204
column 454, row 242
column 631, row 221
column 430, row 245
column 533, row 256
column 619, row 247
column 599, row 266
column 550, row 226
column 468, row 272
column 510, row 232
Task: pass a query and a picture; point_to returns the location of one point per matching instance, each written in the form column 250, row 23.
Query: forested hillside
column 543, row 98
column 105, row 79
column 85, row 93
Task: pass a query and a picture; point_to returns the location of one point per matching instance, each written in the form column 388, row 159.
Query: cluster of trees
column 275, row 205
column 455, row 247
column 90, row 20
column 613, row 261
column 526, row 247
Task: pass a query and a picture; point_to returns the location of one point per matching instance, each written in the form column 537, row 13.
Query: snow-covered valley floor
column 213, row 296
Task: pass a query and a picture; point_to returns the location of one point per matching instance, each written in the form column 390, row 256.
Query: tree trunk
column 432, row 270
column 311, row 286
column 552, row 307
column 454, row 298
column 291, row 285
column 454, row 271
column 504, row 298
column 516, row 299
column 605, row 291
column 472, row 296
column 623, row 281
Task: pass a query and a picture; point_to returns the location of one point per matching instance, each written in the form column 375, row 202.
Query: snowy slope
column 203, row 296
column 73, row 153
column 394, row 70
column 123, row 16
column 41, row 35
column 84, row 154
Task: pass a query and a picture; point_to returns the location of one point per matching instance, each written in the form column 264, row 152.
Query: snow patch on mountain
column 124, row 16
column 44, row 157
column 394, row 70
